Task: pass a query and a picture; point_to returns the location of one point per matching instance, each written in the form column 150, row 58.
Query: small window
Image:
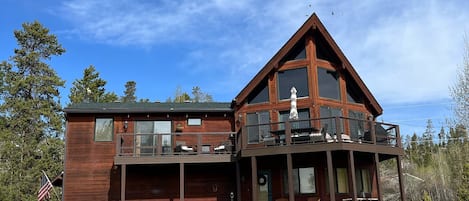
column 194, row 122
column 328, row 82
column 298, row 52
column 297, row 78
column 103, row 129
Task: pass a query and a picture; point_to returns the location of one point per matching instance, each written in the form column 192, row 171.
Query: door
column 163, row 128
column 265, row 185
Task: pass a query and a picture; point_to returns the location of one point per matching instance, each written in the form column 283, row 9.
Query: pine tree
column 90, row 89
column 129, row 93
column 32, row 120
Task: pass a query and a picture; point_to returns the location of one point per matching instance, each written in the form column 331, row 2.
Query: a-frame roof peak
column 312, row 24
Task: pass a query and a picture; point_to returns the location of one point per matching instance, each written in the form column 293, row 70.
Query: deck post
column 123, row 175
column 330, row 173
column 380, row 197
column 401, row 181
column 351, row 165
column 291, row 190
column 254, row 186
column 181, row 181
column 238, row 182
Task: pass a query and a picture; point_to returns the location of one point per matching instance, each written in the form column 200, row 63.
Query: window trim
column 96, row 126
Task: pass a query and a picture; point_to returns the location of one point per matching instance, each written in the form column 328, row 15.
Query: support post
column 123, row 175
column 254, row 186
column 291, row 190
column 330, row 173
column 238, row 182
column 378, row 180
column 181, row 181
column 401, row 181
column 351, row 165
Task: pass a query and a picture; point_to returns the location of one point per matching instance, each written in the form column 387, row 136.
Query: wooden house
column 247, row 149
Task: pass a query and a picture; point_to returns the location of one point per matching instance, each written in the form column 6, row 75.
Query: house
column 247, row 149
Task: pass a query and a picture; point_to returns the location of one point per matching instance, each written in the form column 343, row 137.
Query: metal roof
column 117, row 107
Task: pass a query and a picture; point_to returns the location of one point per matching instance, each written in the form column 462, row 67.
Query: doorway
column 264, row 182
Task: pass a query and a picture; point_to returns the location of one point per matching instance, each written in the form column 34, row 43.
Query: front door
column 265, row 185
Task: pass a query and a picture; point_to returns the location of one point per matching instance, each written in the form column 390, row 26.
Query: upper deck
column 301, row 136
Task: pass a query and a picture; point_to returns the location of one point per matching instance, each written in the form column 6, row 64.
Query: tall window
column 297, row 78
column 303, row 114
column 330, row 123
column 257, row 131
column 342, row 180
column 304, row 180
column 147, row 133
column 356, row 124
column 363, row 180
column 103, row 129
column 328, row 82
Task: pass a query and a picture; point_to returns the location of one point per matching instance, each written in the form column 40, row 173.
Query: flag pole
column 56, row 195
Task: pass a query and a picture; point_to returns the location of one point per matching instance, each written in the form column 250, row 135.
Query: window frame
column 297, row 181
column 105, row 138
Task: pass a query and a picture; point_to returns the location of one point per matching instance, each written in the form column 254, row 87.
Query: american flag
column 46, row 185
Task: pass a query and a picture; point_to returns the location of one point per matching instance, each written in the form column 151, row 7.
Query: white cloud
column 404, row 51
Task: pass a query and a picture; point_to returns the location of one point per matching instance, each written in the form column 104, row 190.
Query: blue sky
column 407, row 52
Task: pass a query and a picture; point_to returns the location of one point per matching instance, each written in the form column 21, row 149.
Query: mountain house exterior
column 247, row 149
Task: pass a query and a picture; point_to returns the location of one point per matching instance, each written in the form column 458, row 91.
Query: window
column 103, row 130
column 256, row 131
column 194, row 122
column 146, row 134
column 260, row 94
column 304, row 180
column 297, row 78
column 296, row 53
column 363, row 180
column 356, row 124
column 330, row 123
column 303, row 114
column 354, row 95
column 328, row 82
column 342, row 180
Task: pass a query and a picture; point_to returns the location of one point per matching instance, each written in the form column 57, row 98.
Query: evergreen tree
column 31, row 116
column 129, row 93
column 200, row 96
column 90, row 89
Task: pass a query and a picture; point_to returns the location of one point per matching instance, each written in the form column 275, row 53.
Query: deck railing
column 321, row 130
column 184, row 143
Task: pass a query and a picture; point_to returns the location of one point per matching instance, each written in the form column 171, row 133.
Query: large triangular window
column 324, row 50
column 354, row 95
column 298, row 52
column 260, row 94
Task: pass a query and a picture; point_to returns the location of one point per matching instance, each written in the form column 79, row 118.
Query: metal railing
column 321, row 130
column 184, row 143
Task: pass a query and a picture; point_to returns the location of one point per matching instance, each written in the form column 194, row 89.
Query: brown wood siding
column 88, row 163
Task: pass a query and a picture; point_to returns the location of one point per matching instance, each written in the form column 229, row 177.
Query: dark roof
column 117, row 107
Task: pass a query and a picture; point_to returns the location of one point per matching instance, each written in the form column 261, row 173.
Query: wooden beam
column 380, row 197
column 351, row 165
column 123, row 175
column 238, row 182
column 401, row 181
column 330, row 173
column 291, row 190
column 254, row 186
column 181, row 181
